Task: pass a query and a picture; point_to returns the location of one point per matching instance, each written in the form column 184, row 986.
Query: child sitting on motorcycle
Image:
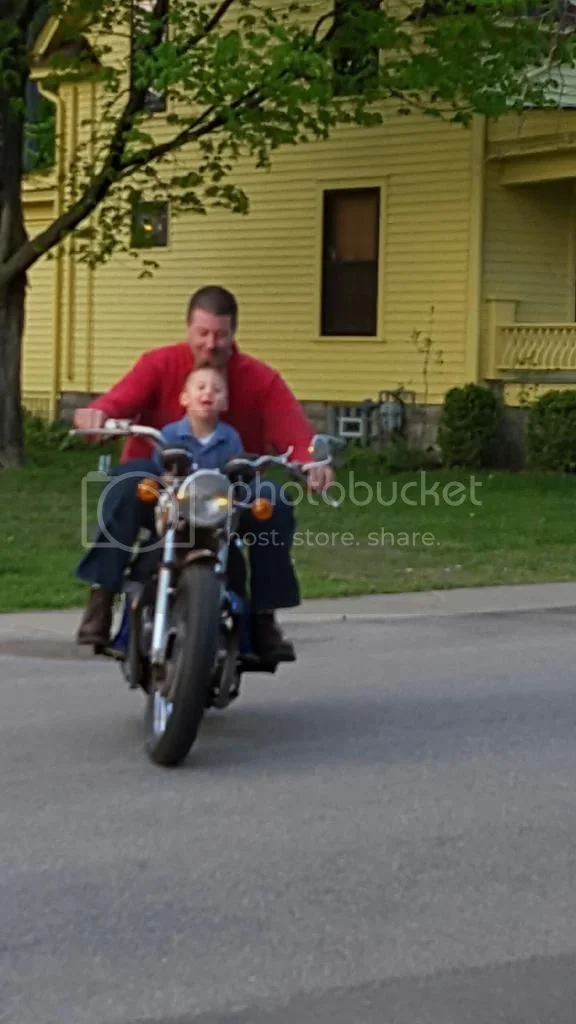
column 200, row 432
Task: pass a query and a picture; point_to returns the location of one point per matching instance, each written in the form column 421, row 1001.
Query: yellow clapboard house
column 416, row 254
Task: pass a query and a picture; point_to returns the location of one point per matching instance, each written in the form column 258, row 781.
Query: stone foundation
column 317, row 413
column 422, row 426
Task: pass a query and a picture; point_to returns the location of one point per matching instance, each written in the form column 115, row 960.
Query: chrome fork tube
column 223, row 547
column 162, row 595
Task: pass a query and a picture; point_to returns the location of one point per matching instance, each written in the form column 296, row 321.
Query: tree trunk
column 12, row 237
column 11, row 331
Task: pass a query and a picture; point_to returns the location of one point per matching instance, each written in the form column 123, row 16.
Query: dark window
column 355, row 61
column 39, row 131
column 149, row 225
column 351, row 240
column 156, row 99
column 155, row 102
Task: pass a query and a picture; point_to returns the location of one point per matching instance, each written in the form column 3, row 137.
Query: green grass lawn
column 521, row 529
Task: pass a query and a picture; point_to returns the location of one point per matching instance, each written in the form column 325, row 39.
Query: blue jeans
column 123, row 515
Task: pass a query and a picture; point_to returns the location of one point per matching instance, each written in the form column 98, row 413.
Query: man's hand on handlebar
column 319, row 478
column 86, row 419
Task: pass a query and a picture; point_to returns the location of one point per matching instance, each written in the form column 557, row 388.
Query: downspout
column 572, row 258
column 474, row 355
column 90, row 268
column 58, row 102
column 71, row 269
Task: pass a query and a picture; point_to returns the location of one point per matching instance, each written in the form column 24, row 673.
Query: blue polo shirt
column 210, row 453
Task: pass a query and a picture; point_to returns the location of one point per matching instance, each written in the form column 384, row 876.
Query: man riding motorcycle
column 266, row 414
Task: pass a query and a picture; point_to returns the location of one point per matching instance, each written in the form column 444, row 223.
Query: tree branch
column 214, row 21
column 329, row 16
column 99, row 188
column 195, row 130
column 118, row 166
column 27, row 255
column 185, row 43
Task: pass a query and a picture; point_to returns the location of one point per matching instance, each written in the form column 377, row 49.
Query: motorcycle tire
column 171, row 731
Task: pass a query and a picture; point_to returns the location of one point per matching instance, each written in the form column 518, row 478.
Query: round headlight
column 206, row 500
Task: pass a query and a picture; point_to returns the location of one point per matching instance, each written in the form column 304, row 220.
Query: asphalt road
column 384, row 833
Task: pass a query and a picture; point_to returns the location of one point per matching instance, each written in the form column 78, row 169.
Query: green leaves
column 239, row 79
column 551, row 432
column 469, row 426
column 227, row 50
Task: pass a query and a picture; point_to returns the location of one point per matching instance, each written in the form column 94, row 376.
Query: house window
column 155, row 102
column 141, row 11
column 351, row 240
column 355, row 63
column 149, row 225
column 39, row 149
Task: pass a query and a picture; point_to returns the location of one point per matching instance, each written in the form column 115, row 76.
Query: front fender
column 200, row 555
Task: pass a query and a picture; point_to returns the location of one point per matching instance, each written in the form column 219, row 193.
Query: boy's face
column 205, row 395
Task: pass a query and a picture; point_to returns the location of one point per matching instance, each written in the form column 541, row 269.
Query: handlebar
column 278, row 460
column 125, row 428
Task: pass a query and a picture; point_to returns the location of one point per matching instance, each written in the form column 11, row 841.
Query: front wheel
column 172, row 723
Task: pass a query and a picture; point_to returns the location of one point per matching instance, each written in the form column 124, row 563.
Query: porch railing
column 535, row 350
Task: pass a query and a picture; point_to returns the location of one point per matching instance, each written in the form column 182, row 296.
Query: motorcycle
column 184, row 633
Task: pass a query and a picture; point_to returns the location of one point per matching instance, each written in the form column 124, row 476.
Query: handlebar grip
column 302, row 478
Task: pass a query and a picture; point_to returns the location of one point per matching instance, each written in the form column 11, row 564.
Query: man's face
column 211, row 338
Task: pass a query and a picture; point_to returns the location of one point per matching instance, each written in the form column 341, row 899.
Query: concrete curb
column 505, row 601
column 435, row 613
column 56, row 645
column 457, row 602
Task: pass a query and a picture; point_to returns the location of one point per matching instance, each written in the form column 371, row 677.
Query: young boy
column 209, row 441
column 200, row 432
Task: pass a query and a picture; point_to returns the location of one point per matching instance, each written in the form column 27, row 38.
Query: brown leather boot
column 96, row 622
column 269, row 641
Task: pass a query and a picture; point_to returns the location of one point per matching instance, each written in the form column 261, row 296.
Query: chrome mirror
column 326, row 446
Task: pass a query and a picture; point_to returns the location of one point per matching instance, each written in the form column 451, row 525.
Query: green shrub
column 46, row 435
column 551, row 432
column 468, row 426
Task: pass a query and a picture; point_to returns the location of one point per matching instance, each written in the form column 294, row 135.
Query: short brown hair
column 215, row 300
column 212, row 369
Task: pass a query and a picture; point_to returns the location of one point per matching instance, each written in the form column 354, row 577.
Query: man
column 266, row 414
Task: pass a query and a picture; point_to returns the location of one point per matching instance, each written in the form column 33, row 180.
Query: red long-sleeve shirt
column 262, row 407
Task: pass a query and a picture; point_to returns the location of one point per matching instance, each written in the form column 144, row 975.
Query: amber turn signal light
column 262, row 509
column 148, row 490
